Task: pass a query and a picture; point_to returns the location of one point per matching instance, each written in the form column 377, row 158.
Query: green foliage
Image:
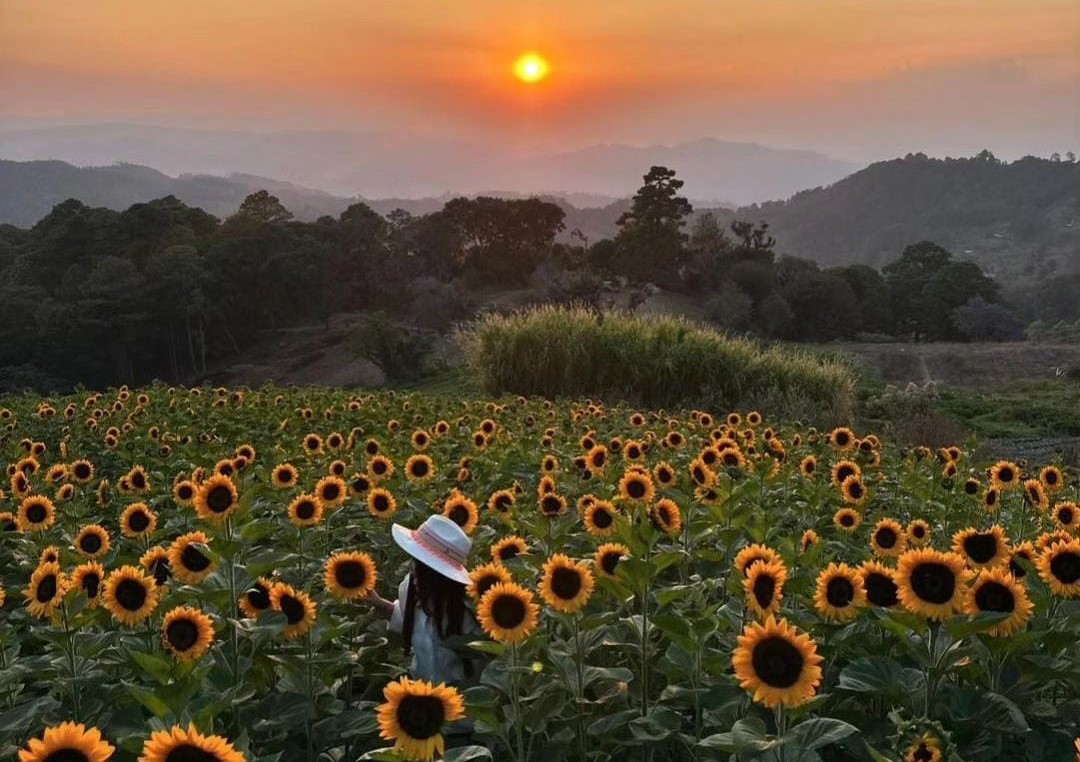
column 400, row 351
column 650, row 239
column 651, row 360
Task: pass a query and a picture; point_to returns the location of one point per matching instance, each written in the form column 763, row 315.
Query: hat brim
column 403, row 536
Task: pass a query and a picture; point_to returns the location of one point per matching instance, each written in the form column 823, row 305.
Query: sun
column 530, row 67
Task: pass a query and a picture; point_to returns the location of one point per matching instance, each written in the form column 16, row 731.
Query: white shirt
column 431, row 660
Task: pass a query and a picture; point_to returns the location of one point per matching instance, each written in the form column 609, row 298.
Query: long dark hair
column 441, row 598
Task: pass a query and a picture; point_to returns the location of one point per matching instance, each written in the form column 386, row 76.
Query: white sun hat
column 439, row 543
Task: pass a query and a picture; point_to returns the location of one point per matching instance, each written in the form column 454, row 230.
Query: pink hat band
column 435, row 545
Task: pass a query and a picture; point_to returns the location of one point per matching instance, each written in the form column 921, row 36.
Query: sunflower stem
column 234, row 643
column 579, row 658
column 311, row 697
column 76, row 690
column 515, row 699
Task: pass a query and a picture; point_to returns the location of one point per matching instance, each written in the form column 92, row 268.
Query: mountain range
column 380, row 165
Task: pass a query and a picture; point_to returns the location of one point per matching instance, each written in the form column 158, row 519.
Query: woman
column 430, row 608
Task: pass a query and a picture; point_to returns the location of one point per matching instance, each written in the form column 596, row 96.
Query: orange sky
column 794, row 72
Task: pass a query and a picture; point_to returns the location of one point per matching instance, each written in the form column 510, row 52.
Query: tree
column 872, row 296
column 979, row 320
column 650, row 238
column 261, row 208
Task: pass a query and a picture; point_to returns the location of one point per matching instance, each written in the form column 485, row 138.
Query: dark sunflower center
column 508, row 611
column 847, row 519
column 331, row 492
column 379, row 467
column 381, row 503
column 420, row 717
column 1065, row 515
column 844, row 472
column 258, row 597
column 350, row 574
column 507, row 552
column 881, row 590
column 138, row 481
column 602, row 519
column 90, row 543
column 193, row 559
column 971, row 487
column 305, row 510
column 923, row 754
column 566, row 583
column 918, row 531
column 1065, row 566
column 764, row 588
column 184, row 492
column 82, row 471
column 1005, row 475
column 36, row 513
column 609, row 561
column 66, row 755
column 886, row 537
column 980, row 547
column 138, row 521
column 599, row 459
column 635, row 488
column 293, row 609
column 502, row 502
column 190, row 753
column 1051, row 478
column 933, row 582
column 46, row 589
column 284, row 475
column 994, row 596
column 550, row 505
column 90, row 583
column 419, row 468
column 486, row 583
column 991, row 498
column 130, row 594
column 777, row 662
column 855, row 490
column 839, row 592
column 459, row 514
column 182, row 634
column 699, row 475
column 219, row 499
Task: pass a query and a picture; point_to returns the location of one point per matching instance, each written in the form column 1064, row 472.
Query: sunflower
column 313, row 444
column 50, row 554
column 138, row 479
column 485, row 577
column 188, row 561
column 178, row 744
column 808, row 466
column 925, row 749
column 68, row 742
column 839, row 593
column 552, row 505
column 982, row 550
column 92, row 541
column 184, row 491
column 380, row 467
column 156, row 561
column 36, row 513
column 419, row 468
column 414, row 714
column 764, row 587
column 187, row 633
column 331, row 491
column 305, row 510
column 752, row 554
column 381, row 503
column 918, row 533
column 879, row 582
column 1059, row 567
column 847, row 519
column 82, row 471
column 359, row 484
column 997, row 591
column 701, row 474
column 462, row 511
column 596, row 459
column 841, row 438
column 87, row 578
column 284, row 475
column 779, row 664
column 1035, row 494
column 565, row 584
column 1005, row 475
column 666, row 516
column 256, row 599
column 508, row 548
column 843, row 469
column 350, row 575
column 420, row 440
column 931, row 583
column 130, row 595
column 1052, row 479
column 853, row 490
column 137, row 520
column 664, row 474
column 299, row 610
column 8, row 522
column 216, row 499
column 507, row 613
column 600, row 517
column 1025, row 551
column 808, row 540
column 888, row 538
column 607, row 558
column 1067, row 516
column 501, row 501
column 637, row 486
column 47, row 588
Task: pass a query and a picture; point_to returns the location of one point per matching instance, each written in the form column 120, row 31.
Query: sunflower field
column 185, row 576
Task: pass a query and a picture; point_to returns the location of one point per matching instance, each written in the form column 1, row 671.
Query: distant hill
column 383, row 165
column 1015, row 219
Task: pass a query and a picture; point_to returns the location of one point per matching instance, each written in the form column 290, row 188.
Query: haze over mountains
column 380, row 165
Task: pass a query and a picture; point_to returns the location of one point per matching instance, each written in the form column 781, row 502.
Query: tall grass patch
column 650, row 360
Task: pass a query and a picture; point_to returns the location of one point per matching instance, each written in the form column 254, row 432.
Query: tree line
column 163, row 290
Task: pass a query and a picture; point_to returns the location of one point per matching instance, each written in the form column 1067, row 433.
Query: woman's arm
column 380, row 604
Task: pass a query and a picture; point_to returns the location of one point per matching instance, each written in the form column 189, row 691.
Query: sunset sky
column 857, row 79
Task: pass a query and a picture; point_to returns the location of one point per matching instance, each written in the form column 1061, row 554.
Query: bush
column 650, row 360
column 397, row 350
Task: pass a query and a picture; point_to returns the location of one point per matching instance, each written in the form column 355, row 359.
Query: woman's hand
column 384, row 606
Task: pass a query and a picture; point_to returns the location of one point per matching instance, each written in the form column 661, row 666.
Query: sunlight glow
column 530, row 67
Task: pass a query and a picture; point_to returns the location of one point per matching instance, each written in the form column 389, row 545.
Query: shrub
column 651, row 360
column 399, row 351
